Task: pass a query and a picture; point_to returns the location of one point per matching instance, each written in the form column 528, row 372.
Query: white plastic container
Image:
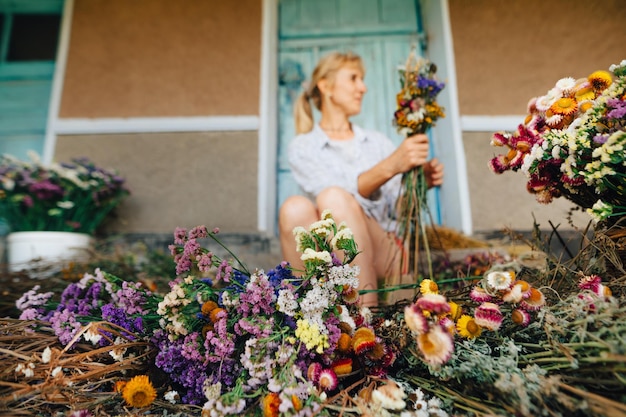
column 26, row 248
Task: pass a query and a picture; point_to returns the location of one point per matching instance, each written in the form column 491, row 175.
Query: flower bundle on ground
column 69, row 197
column 572, row 143
column 229, row 340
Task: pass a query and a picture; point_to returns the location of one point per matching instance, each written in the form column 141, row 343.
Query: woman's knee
column 295, row 211
column 338, row 200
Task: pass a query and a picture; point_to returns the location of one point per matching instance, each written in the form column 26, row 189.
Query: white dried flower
column 46, row 355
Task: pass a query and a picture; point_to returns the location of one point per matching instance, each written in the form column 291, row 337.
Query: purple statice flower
column 45, row 190
column 32, row 298
column 258, row 298
column 190, row 347
column 205, row 262
column 119, row 317
column 90, row 300
column 131, row 298
column 618, row 108
column 70, row 297
column 281, row 273
column 180, row 236
column 219, row 344
column 184, row 369
column 600, row 138
column 224, row 271
column 258, row 326
column 192, row 249
column 334, row 332
column 31, row 314
column 64, row 325
column 431, row 85
column 183, row 263
column 198, row 232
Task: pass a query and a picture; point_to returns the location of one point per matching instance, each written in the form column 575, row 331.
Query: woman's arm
column 412, row 152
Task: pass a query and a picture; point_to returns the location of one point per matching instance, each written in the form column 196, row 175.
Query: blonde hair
column 326, row 68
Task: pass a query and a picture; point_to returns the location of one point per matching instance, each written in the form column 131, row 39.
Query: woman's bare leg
column 379, row 254
column 372, row 240
column 295, row 211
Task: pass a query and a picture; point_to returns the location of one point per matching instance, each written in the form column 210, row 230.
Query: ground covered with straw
column 566, row 358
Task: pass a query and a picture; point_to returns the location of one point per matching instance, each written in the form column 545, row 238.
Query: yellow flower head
column 139, row 392
column 455, row 310
column 428, row 286
column 207, row 307
column 271, row 403
column 585, row 93
column 564, row 106
column 467, row 327
column 600, row 80
column 310, row 335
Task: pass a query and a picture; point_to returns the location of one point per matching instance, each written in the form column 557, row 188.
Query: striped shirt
column 318, row 162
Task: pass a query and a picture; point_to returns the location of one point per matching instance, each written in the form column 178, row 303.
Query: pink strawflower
column 448, row 324
column 415, row 319
column 435, row 303
column 436, row 345
column 535, row 300
column 328, row 380
column 488, row 316
column 313, row 372
column 589, row 281
column 479, row 295
column 520, row 317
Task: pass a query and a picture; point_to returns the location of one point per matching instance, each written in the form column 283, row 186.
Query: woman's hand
column 433, row 170
column 412, row 152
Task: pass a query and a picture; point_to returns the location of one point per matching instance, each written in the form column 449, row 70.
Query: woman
column 350, row 171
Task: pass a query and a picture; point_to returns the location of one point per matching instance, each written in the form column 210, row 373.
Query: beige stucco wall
column 509, row 51
column 156, row 58
column 177, row 179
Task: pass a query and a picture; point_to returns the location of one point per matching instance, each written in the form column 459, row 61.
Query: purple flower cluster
column 189, row 364
column 259, row 297
column 431, row 85
column 93, row 298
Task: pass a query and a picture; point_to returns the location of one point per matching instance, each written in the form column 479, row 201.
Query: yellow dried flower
column 139, row 392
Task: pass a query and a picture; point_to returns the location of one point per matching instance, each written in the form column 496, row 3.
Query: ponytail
column 303, row 114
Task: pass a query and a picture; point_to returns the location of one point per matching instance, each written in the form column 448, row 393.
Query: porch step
column 254, row 250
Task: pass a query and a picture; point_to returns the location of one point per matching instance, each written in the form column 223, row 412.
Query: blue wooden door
column 382, row 32
column 28, row 39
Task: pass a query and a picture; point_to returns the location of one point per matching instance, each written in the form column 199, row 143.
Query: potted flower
column 41, row 204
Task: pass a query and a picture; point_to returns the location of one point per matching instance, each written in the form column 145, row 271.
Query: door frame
column 455, row 201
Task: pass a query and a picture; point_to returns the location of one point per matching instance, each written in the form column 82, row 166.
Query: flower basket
column 68, row 197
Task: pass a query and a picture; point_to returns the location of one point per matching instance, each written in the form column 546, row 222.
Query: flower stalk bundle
column 228, row 339
column 417, row 110
column 68, row 197
column 572, row 144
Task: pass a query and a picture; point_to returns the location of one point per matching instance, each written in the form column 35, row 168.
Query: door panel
column 382, row 32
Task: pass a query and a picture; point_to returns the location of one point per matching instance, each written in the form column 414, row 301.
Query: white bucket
column 25, row 248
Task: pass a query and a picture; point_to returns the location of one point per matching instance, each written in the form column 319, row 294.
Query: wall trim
column 490, row 123
column 268, row 123
column 57, row 82
column 153, row 125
